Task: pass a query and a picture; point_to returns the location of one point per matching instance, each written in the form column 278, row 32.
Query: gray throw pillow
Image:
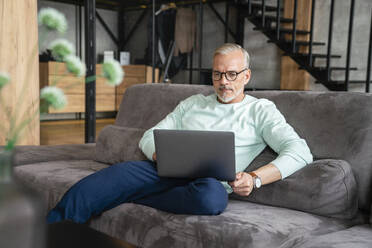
column 325, row 187
column 117, row 144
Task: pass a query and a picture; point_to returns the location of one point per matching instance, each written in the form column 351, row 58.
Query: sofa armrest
column 36, row 154
column 116, row 144
column 326, row 187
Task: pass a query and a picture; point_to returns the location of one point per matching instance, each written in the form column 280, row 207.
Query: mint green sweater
column 255, row 123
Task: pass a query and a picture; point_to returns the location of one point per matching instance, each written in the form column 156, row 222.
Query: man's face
column 230, row 91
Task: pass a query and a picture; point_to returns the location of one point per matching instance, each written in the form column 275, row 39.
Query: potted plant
column 21, row 214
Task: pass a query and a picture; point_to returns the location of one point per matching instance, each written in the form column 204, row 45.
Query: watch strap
column 254, row 176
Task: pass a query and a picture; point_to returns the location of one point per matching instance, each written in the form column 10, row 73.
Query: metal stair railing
column 257, row 14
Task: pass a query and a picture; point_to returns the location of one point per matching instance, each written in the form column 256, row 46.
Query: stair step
column 298, row 43
column 273, row 18
column 268, row 7
column 283, row 30
column 318, row 55
column 335, row 68
column 343, row 81
column 334, row 86
column 341, row 68
column 288, row 30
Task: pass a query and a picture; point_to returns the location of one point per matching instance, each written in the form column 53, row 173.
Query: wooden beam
column 291, row 78
column 19, row 58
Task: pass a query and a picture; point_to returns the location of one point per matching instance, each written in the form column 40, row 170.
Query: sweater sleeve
column 293, row 152
column 171, row 121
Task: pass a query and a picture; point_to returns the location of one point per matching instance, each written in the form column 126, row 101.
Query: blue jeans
column 138, row 182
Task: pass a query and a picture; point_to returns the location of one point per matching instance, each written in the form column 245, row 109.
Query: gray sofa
column 326, row 204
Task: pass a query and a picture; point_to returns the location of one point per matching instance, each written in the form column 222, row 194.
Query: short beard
column 229, row 99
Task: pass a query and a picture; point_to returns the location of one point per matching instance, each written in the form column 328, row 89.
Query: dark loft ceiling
column 134, row 4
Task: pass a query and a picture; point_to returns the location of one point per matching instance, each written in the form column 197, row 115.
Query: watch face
column 258, row 182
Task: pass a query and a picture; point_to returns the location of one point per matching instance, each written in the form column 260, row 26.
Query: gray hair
column 230, row 47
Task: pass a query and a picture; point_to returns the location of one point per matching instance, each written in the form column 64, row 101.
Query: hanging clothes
column 165, row 32
column 185, row 30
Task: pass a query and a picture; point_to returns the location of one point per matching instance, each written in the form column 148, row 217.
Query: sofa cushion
column 117, row 144
column 359, row 236
column 242, row 224
column 325, row 187
column 35, row 154
column 52, row 179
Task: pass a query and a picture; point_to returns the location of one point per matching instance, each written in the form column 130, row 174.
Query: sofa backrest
column 334, row 124
column 144, row 105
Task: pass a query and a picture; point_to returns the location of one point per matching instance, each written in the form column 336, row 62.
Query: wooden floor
column 67, row 131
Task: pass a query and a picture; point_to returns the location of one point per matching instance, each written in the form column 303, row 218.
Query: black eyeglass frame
column 221, row 73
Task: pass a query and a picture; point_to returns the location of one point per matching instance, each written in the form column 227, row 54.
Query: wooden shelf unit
column 67, row 131
column 108, row 98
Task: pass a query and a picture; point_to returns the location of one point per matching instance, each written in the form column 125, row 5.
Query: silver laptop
column 195, row 154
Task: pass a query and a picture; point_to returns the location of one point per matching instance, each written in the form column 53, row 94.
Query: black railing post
column 240, row 18
column 153, row 40
column 77, row 30
column 349, row 44
column 227, row 7
column 249, row 7
column 200, row 38
column 191, row 56
column 263, row 8
column 311, row 33
column 90, row 61
column 278, row 20
column 330, row 34
column 294, row 27
column 80, row 33
column 191, row 65
column 368, row 81
column 121, row 29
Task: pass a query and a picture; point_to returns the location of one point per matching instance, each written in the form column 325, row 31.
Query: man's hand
column 154, row 156
column 243, row 184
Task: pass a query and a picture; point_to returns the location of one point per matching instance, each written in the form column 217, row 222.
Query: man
column 255, row 122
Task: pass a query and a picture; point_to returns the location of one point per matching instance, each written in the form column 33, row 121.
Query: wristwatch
column 257, row 183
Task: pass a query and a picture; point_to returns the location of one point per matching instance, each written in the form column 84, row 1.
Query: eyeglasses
column 229, row 75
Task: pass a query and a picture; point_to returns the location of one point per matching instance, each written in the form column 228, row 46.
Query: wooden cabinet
column 54, row 132
column 108, row 98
